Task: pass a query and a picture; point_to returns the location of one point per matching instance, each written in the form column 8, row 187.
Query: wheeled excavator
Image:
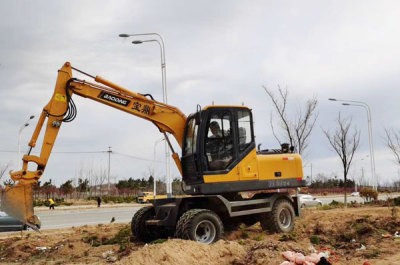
column 219, row 160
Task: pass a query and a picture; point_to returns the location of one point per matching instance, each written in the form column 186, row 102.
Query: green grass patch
column 314, row 240
column 159, row 241
column 288, row 237
column 260, row 237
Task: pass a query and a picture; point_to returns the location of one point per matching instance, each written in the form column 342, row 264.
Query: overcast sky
column 216, row 51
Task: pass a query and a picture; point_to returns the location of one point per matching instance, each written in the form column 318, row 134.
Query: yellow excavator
column 219, row 161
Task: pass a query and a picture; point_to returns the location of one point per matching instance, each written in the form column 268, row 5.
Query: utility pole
column 362, row 175
column 109, row 167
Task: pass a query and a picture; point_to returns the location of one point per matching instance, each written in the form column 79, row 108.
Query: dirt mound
column 181, row 252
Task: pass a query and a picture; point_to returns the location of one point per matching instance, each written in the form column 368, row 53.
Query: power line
column 136, row 157
column 55, row 152
column 93, row 152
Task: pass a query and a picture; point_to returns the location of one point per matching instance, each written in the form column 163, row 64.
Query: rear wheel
column 200, row 225
column 280, row 219
column 138, row 225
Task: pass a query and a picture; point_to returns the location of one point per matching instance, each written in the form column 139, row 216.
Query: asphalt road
column 340, row 198
column 65, row 218
column 79, row 217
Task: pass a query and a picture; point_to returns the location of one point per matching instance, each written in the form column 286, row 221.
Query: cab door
column 190, row 160
column 247, row 154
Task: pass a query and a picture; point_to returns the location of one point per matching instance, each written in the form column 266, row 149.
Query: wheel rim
column 205, row 232
column 285, row 218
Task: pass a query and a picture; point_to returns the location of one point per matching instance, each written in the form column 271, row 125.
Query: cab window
column 191, row 137
column 245, row 134
column 219, row 150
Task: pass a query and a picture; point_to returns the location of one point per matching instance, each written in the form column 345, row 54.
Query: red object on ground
column 333, row 257
column 367, row 263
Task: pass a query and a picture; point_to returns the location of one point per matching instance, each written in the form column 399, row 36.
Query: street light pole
column 164, row 92
column 163, row 65
column 109, row 170
column 154, row 167
column 371, row 144
column 26, row 124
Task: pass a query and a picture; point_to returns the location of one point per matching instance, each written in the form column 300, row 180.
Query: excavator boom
column 17, row 200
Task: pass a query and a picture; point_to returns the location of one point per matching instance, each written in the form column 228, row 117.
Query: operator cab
column 216, row 139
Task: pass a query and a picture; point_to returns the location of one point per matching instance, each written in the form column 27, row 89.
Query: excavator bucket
column 17, row 201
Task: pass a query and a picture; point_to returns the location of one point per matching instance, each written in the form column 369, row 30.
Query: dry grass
column 342, row 231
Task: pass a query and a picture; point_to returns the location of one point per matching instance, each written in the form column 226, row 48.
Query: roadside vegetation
column 125, row 191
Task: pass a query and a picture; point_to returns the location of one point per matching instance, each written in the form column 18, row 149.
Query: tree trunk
column 345, row 191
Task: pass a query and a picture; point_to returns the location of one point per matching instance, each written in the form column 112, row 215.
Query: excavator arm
column 17, row 200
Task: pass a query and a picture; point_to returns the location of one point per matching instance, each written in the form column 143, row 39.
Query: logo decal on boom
column 114, row 99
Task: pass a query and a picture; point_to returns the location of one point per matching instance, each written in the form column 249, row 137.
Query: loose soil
column 341, row 231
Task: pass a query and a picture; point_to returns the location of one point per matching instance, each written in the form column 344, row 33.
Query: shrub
column 363, row 228
column 396, row 201
column 325, row 207
column 258, row 238
column 373, row 253
column 314, row 240
column 334, row 203
column 288, row 236
column 368, row 194
column 114, row 199
column 58, row 202
column 245, row 234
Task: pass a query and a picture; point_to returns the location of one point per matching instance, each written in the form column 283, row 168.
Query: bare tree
column 3, row 169
column 97, row 175
column 393, row 142
column 345, row 145
column 296, row 131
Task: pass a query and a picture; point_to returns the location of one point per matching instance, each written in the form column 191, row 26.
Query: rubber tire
column 303, row 206
column 138, row 225
column 270, row 221
column 185, row 228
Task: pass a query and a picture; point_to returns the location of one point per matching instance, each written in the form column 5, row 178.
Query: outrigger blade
column 17, row 201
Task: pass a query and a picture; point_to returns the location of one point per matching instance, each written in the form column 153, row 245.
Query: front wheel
column 138, row 224
column 200, row 225
column 280, row 219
